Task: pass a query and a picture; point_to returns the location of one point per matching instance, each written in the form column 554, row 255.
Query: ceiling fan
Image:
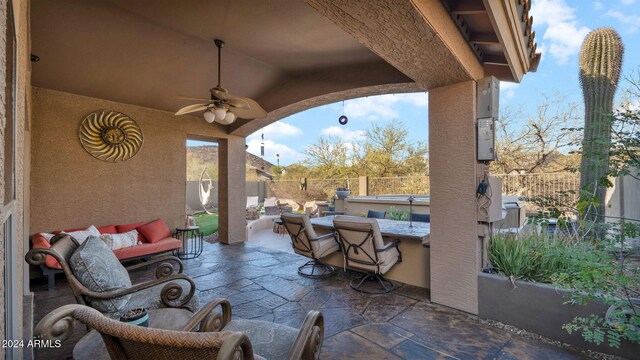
column 223, row 107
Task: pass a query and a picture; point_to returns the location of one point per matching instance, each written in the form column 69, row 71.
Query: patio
column 263, row 284
column 69, row 61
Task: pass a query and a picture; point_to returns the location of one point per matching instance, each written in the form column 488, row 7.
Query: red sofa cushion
column 40, row 242
column 148, row 248
column 155, row 231
column 128, row 227
column 108, row 229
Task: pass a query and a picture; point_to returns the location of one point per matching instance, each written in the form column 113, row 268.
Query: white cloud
column 371, row 108
column 628, row 2
column 345, row 135
column 563, row 35
column 597, row 5
column 382, row 106
column 277, row 130
column 508, row 89
column 271, row 148
column 417, row 99
column 631, row 21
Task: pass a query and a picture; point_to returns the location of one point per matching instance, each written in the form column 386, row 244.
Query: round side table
column 191, row 238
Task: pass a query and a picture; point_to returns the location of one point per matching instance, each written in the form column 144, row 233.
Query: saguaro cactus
column 600, row 63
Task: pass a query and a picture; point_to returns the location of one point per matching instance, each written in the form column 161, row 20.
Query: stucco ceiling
column 146, row 52
column 283, row 53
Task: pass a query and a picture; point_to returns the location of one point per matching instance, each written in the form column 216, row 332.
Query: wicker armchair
column 207, row 335
column 171, row 288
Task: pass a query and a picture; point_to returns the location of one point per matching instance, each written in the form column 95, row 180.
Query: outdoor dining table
column 389, row 228
column 414, row 246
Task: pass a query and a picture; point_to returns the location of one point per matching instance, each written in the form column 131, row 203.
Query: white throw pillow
column 82, row 235
column 48, row 236
column 119, row 241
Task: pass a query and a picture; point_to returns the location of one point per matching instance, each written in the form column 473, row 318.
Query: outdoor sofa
column 154, row 238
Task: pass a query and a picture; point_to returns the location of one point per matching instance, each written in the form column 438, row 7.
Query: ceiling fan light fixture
column 209, row 116
column 220, row 113
column 230, row 117
column 225, row 121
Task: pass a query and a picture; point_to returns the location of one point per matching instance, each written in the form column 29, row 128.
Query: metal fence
column 527, row 185
column 316, row 189
column 402, row 185
column 549, row 184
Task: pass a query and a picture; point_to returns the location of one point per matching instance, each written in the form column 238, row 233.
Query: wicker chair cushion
column 269, row 340
column 97, row 268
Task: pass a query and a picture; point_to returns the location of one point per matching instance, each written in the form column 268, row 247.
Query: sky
column 560, row 27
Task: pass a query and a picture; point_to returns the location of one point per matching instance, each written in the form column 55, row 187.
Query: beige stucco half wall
column 70, row 188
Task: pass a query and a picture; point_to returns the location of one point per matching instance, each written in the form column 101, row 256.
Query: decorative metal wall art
column 110, row 136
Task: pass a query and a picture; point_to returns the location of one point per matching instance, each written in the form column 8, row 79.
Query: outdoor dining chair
column 363, row 249
column 372, row 214
column 252, row 202
column 307, row 243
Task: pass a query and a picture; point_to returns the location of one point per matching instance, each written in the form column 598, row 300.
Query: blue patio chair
column 372, row 214
column 420, row 217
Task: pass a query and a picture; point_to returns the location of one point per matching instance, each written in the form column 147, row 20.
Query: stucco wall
column 70, row 188
column 455, row 248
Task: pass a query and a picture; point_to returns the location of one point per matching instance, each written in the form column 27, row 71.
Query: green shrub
column 394, row 214
column 540, row 258
column 513, row 257
column 589, row 268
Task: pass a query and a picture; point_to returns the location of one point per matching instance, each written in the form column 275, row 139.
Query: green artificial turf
column 208, row 223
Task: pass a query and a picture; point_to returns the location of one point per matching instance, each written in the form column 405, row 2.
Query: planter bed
column 539, row 308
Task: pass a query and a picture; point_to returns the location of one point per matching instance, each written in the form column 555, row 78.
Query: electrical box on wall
column 492, row 211
column 486, row 139
column 488, row 96
column 487, row 111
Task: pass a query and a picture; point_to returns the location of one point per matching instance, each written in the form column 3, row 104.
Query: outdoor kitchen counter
column 414, row 242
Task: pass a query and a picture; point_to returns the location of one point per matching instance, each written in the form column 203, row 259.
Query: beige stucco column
column 232, row 193
column 455, row 248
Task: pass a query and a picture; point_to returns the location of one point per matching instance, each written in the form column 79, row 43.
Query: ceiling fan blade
column 255, row 111
column 238, row 102
column 191, row 98
column 192, row 108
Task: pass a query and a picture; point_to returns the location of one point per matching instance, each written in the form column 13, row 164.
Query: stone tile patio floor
column 262, row 283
